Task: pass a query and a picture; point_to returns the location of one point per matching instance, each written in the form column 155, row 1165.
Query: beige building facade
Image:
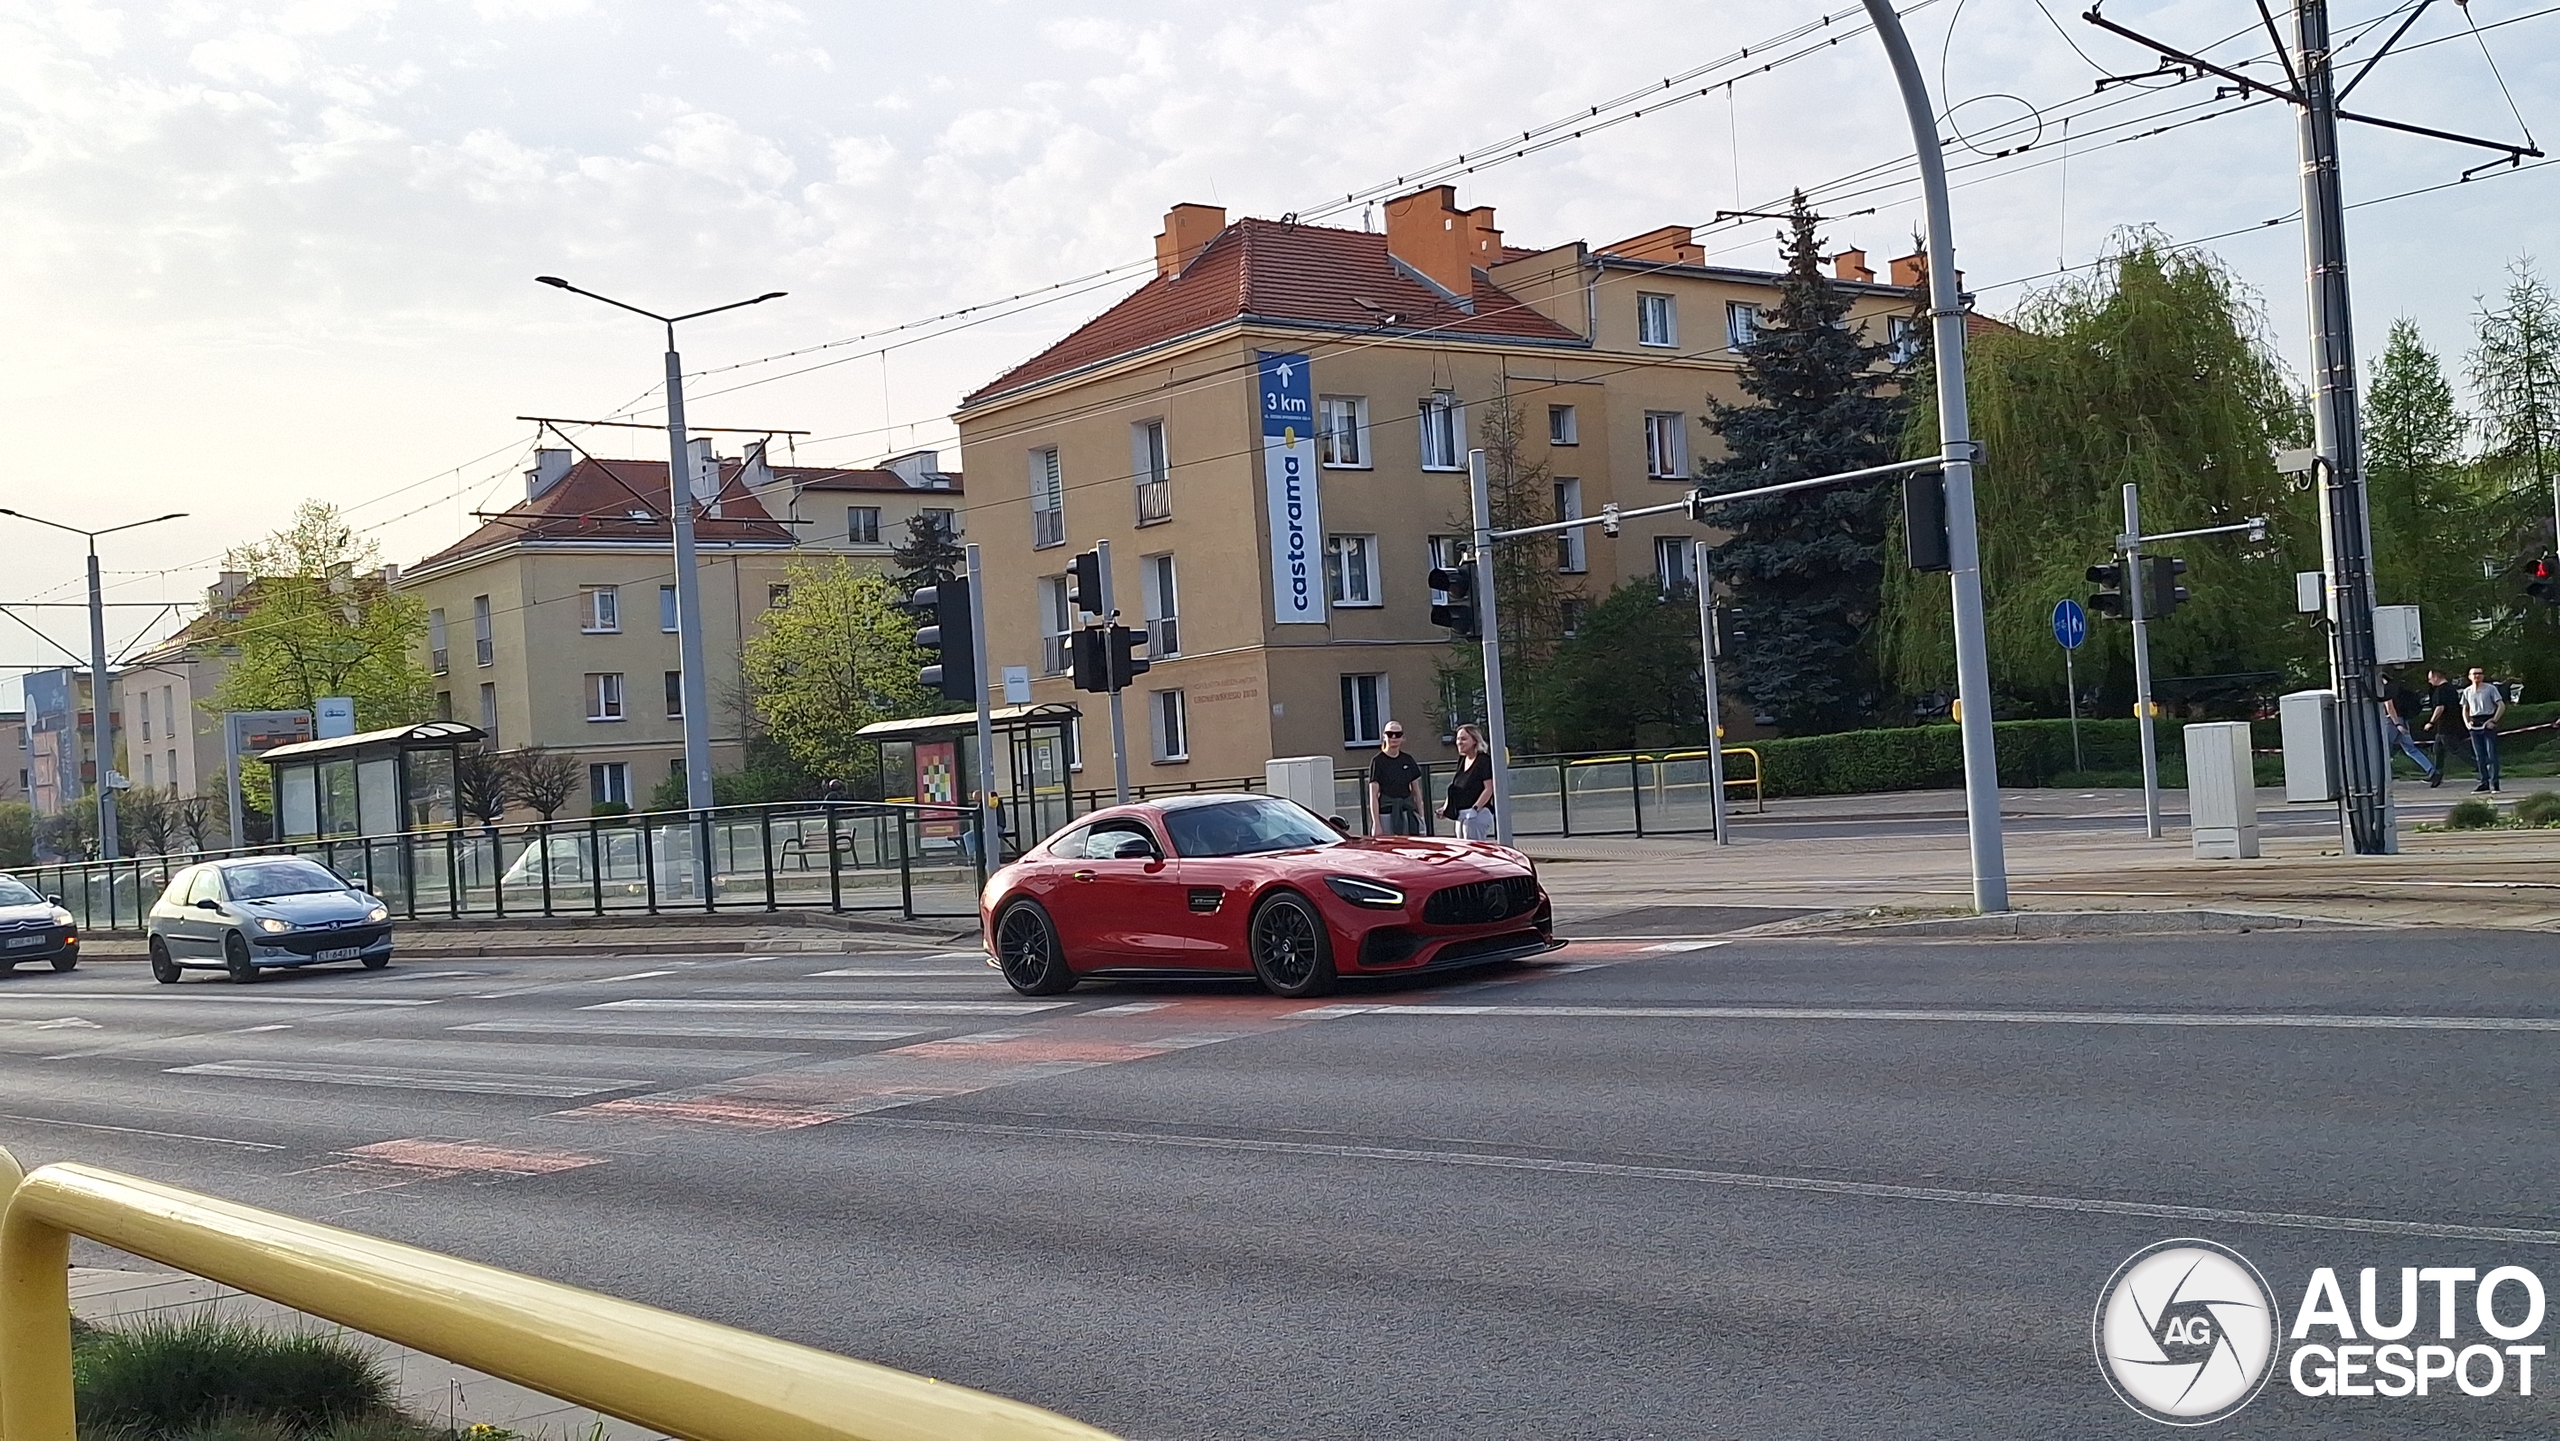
column 1144, row 427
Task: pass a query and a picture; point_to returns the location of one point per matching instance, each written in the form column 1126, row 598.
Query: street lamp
column 695, row 695
column 101, row 730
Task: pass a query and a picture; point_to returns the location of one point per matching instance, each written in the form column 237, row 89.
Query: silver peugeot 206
column 254, row 913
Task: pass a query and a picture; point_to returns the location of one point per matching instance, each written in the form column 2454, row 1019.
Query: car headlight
column 61, row 917
column 274, row 927
column 378, row 913
column 1366, row 893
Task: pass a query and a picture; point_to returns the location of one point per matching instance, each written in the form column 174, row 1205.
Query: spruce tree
column 931, row 554
column 1805, row 569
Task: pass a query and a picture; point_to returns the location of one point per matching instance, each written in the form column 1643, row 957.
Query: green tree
column 930, row 555
column 1530, row 591
column 2436, row 516
column 1804, row 570
column 840, row 656
column 2515, row 372
column 17, row 834
column 317, row 619
column 2152, row 369
column 1629, row 676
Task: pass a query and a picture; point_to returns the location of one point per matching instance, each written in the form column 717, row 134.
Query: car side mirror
column 1339, row 824
column 1132, row 846
column 53, row 900
column 208, row 904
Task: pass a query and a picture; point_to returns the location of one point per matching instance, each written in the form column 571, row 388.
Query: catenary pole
column 692, row 689
column 1715, row 701
column 2346, row 534
column 1955, row 441
column 1497, row 738
column 1111, row 676
column 2137, row 608
column 990, row 836
column 101, row 710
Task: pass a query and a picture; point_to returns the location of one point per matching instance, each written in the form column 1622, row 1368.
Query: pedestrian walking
column 2399, row 702
column 2484, row 704
column 1395, row 786
column 1469, row 802
column 2443, row 712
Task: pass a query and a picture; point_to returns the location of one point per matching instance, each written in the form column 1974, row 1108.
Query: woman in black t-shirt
column 1395, row 787
column 1470, row 800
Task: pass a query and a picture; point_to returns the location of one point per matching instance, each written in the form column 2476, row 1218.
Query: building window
column 609, row 784
column 1570, row 611
column 1164, row 606
column 489, row 714
column 1351, row 569
column 862, row 525
column 1170, row 728
column 444, row 705
column 1561, row 429
column 667, row 609
column 1666, row 445
column 439, row 659
column 1342, row 432
column 484, row 640
column 941, row 519
column 1657, row 323
column 149, row 764
column 777, row 595
column 1902, row 338
column 1741, row 324
column 1057, row 626
column 1671, row 556
column 1441, row 428
column 1569, row 552
column 1364, row 709
column 599, row 609
column 1048, row 500
column 604, row 696
column 1149, row 465
column 675, row 695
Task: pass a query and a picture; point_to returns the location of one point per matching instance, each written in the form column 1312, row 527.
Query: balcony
column 1055, row 654
column 1163, row 638
column 1155, row 501
column 1048, row 528
column 441, row 660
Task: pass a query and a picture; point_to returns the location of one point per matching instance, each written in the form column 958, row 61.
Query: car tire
column 375, row 963
column 164, row 967
column 1028, row 953
column 66, row 961
column 235, row 959
column 1292, row 951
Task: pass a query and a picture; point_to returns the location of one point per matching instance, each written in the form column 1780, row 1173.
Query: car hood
column 1410, row 861
column 312, row 908
column 41, row 913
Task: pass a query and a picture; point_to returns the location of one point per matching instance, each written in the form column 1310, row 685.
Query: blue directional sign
column 2070, row 624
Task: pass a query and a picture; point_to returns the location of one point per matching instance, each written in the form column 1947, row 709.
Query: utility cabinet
column 2310, row 721
column 2222, row 791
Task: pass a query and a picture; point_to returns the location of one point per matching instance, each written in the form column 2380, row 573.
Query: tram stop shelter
column 933, row 760
column 384, row 782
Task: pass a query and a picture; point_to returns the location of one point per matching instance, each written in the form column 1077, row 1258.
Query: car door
column 197, row 932
column 1123, row 906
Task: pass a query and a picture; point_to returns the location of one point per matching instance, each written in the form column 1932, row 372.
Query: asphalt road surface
column 1662, row 1187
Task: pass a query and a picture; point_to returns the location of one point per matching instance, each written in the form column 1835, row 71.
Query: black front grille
column 1481, row 903
column 311, row 943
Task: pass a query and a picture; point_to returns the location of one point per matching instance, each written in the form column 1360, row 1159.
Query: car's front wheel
column 235, row 959
column 1028, row 953
column 66, row 960
column 375, row 963
column 164, row 968
column 1292, row 955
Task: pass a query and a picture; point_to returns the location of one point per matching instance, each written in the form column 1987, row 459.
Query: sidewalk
column 2504, row 879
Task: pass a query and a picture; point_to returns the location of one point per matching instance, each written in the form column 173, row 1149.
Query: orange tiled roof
column 623, row 500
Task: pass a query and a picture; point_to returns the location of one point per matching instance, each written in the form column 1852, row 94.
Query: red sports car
column 1254, row 885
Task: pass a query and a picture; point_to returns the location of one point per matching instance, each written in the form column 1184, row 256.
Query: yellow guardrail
column 1759, row 801
column 676, row 1374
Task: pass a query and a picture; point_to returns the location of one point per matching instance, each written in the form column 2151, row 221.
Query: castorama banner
column 1289, row 489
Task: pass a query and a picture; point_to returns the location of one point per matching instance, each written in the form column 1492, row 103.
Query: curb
column 2049, row 925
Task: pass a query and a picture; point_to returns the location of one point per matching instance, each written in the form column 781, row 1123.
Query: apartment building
column 554, row 623
column 62, row 761
column 172, row 737
column 13, row 756
column 1147, row 425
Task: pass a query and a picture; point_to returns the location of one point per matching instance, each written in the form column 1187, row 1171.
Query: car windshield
column 13, row 892
column 1244, row 827
column 278, row 878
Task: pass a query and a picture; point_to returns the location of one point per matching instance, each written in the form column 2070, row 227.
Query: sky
column 262, row 253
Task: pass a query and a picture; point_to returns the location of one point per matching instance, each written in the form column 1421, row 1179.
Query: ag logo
column 2186, row 1332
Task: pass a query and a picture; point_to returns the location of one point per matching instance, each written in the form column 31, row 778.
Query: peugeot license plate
column 341, row 953
column 21, row 943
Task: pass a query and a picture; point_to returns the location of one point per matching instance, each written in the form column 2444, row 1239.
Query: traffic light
column 947, row 642
column 1456, row 610
column 1698, row 501
column 1105, row 657
column 1086, row 581
column 2165, row 592
column 1126, row 663
column 1725, row 630
column 1924, row 520
column 2109, row 598
column 2542, row 580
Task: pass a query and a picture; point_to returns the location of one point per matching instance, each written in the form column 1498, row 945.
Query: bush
column 2471, row 815
column 168, row 1379
column 2542, row 808
column 2032, row 753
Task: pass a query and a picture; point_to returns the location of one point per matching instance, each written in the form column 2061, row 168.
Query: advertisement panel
column 1289, row 489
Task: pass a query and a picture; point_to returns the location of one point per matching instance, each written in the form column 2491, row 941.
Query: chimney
column 1188, row 229
column 1431, row 236
column 1670, row 245
column 226, row 589
column 1912, row 271
column 705, row 479
column 390, row 576
column 1852, row 265
column 550, row 467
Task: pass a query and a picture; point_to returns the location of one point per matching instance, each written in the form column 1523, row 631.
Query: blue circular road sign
column 2070, row 624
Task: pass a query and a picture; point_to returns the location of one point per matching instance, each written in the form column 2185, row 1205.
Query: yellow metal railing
column 1759, row 801
column 676, row 1374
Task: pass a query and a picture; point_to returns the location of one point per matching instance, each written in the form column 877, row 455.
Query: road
column 1664, row 1187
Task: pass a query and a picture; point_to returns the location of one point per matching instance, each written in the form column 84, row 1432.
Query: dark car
column 254, row 913
column 35, row 928
column 1259, row 886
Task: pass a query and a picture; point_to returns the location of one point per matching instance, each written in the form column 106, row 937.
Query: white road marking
column 634, row 976
column 138, row 1131
column 1671, row 947
column 487, row 1083
column 778, row 1030
column 1819, row 1185
column 900, row 973
column 216, row 995
column 58, row 1023
column 2027, row 1018
column 1133, row 1008
column 921, row 1008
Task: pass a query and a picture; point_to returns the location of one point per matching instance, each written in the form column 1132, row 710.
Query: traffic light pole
column 1707, row 658
column 990, row 836
column 1111, row 671
column 1497, row 741
column 2129, row 545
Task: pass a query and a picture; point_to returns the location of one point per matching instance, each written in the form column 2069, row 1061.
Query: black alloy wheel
column 1292, row 955
column 1028, row 952
column 235, row 959
column 375, row 963
column 66, row 960
column 164, row 969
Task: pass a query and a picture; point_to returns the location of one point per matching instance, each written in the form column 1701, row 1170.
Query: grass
column 216, row 1380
